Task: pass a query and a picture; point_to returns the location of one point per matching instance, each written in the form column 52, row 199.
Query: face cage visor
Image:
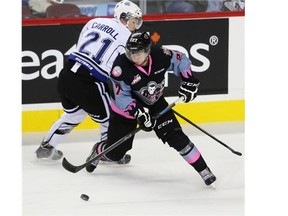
column 134, row 20
column 143, row 53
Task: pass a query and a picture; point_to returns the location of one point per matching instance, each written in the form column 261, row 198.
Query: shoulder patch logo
column 117, row 71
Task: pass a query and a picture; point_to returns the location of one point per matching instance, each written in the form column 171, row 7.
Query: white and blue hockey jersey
column 100, row 42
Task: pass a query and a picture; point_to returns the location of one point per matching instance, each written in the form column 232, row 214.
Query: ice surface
column 156, row 182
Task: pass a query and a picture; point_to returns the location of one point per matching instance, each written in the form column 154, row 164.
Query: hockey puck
column 84, row 197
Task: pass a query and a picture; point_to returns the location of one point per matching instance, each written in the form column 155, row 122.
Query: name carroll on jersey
column 105, row 28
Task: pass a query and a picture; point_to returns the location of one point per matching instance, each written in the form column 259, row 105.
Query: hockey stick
column 187, row 120
column 74, row 169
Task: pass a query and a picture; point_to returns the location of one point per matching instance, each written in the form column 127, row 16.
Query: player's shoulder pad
column 119, row 66
column 161, row 50
column 121, row 59
column 166, row 51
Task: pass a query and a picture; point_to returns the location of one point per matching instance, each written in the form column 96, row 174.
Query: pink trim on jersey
column 119, row 111
column 142, row 69
column 192, row 157
column 187, row 73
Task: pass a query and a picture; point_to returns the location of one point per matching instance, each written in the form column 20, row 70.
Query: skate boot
column 125, row 160
column 46, row 151
column 207, row 176
column 97, row 149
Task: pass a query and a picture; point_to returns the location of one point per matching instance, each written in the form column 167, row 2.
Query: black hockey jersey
column 136, row 86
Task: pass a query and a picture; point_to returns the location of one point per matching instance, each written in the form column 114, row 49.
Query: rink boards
column 199, row 112
column 215, row 47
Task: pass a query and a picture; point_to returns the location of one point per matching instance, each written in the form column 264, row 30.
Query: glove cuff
column 132, row 109
column 191, row 79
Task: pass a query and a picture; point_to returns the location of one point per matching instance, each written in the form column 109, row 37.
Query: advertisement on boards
column 45, row 49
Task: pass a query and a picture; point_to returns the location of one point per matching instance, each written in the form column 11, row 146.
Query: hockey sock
column 192, row 155
column 100, row 148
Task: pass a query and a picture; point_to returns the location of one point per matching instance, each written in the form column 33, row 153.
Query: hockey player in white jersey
column 82, row 84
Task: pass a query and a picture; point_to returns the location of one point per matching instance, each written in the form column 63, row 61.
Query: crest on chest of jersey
column 152, row 92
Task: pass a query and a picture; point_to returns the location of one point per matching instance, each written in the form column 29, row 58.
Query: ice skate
column 103, row 160
column 208, row 177
column 48, row 152
column 125, row 160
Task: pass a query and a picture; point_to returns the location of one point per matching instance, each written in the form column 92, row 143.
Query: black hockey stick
column 74, row 169
column 219, row 141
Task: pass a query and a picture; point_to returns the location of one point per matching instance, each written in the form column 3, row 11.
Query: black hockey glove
column 188, row 89
column 145, row 121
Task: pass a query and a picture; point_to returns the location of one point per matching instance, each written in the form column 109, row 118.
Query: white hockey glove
column 189, row 89
column 144, row 120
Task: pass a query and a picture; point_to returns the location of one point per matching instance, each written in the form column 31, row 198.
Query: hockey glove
column 188, row 89
column 145, row 121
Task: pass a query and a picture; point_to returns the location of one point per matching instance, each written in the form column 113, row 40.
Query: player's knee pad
column 176, row 139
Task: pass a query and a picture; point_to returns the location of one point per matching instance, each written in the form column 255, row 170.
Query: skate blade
column 46, row 161
column 108, row 163
column 213, row 186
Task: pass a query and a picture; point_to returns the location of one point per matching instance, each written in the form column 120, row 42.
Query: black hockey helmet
column 138, row 41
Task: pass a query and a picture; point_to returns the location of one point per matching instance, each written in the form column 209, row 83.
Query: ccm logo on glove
column 188, row 90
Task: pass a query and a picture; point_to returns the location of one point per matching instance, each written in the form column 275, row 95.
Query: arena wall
column 219, row 66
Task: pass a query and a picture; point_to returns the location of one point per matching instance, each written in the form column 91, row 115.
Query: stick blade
column 69, row 167
column 237, row 153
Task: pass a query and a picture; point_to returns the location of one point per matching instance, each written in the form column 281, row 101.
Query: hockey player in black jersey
column 138, row 82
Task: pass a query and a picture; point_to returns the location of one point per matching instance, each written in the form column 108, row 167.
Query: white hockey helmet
column 127, row 9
